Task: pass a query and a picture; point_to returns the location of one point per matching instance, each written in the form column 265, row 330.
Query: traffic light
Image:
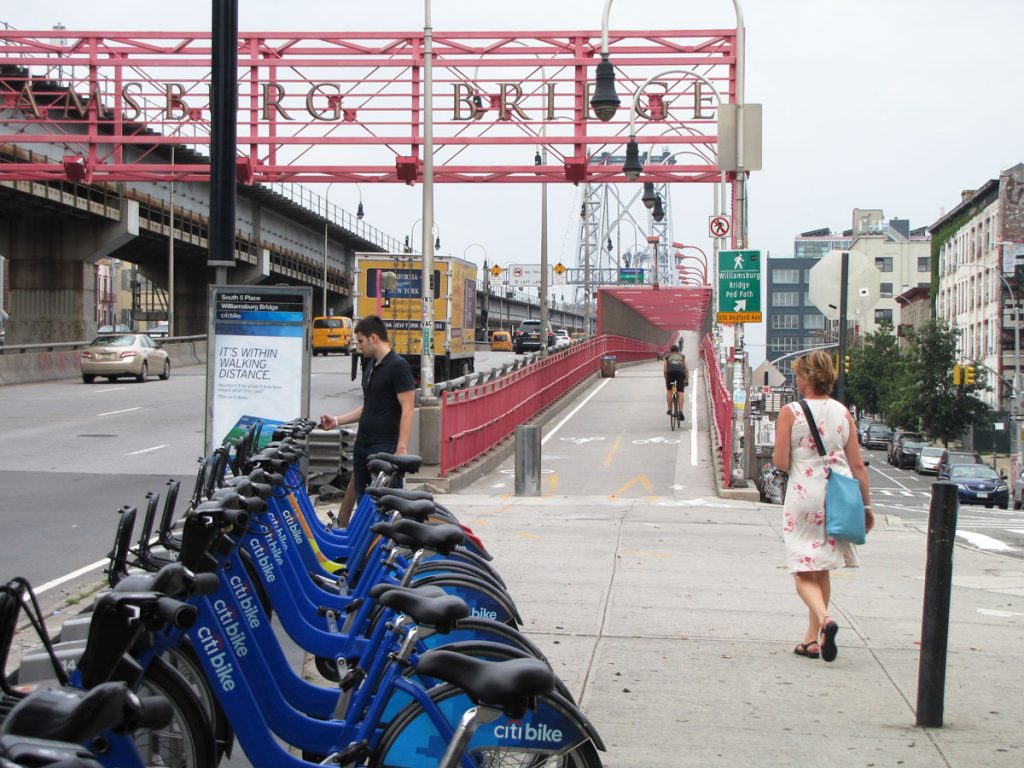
column 846, row 363
column 968, row 375
column 958, row 375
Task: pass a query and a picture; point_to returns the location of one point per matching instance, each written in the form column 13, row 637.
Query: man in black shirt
column 385, row 417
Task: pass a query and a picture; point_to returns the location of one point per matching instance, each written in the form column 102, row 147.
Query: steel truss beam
column 321, row 107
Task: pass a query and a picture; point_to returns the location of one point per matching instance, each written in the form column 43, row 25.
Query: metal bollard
column 938, row 584
column 528, row 460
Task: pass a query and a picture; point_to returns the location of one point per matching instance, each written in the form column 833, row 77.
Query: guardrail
column 475, row 419
column 721, row 405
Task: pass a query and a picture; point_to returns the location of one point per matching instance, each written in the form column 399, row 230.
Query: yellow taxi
column 332, row 334
column 501, row 341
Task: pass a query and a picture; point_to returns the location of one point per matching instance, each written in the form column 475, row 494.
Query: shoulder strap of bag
column 813, row 426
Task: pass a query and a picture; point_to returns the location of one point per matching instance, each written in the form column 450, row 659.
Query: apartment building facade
column 979, row 248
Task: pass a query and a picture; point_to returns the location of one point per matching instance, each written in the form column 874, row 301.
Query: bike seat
column 408, row 508
column 38, row 753
column 505, row 685
column 68, row 714
column 408, row 464
column 437, row 611
column 376, row 491
column 408, row 533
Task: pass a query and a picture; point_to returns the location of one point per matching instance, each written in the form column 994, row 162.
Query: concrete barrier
column 61, row 361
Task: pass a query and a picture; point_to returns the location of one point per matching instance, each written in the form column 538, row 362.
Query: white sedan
column 124, row 354
column 562, row 338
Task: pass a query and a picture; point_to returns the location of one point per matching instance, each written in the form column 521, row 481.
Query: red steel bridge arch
column 96, row 106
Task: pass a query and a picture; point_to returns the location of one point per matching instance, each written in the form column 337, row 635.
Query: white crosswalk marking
column 981, row 541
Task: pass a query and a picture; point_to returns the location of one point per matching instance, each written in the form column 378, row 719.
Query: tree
column 874, row 368
column 923, row 390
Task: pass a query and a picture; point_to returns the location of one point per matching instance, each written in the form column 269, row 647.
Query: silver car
column 124, row 354
column 928, row 460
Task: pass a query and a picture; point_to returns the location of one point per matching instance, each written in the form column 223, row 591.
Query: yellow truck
column 388, row 284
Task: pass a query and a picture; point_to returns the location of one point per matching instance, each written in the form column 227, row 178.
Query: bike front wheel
column 187, row 741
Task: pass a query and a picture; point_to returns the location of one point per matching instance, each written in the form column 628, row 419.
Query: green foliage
column 922, row 395
column 874, row 368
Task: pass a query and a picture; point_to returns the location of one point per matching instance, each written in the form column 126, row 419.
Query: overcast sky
column 892, row 104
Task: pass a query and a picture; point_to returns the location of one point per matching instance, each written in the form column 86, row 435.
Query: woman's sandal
column 829, row 628
column 810, row 650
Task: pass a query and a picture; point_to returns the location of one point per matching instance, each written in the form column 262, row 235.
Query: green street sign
column 739, row 287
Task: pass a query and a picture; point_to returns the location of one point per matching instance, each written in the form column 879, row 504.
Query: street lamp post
column 327, row 221
column 426, row 277
column 487, row 289
column 411, row 241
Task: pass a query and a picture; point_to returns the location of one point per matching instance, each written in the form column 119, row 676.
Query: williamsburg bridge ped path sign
column 739, row 287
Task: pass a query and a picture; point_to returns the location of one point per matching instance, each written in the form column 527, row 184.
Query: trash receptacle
column 607, row 366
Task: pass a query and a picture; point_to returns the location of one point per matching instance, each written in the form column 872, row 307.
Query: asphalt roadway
column 670, row 614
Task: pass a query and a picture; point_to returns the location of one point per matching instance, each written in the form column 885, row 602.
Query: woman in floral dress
column 809, row 555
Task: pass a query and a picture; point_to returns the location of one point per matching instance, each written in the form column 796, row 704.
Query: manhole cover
column 95, row 435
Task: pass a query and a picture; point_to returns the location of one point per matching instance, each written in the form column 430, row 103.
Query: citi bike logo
column 223, row 669
column 293, row 525
column 245, row 601
column 484, row 613
column 233, row 630
column 519, row 731
column 263, row 558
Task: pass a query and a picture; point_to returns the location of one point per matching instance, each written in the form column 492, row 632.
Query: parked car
column 862, row 428
column 877, row 436
column 908, row 448
column 952, row 456
column 527, row 337
column 562, row 338
column 979, row 484
column 501, row 341
column 332, row 334
column 1018, row 490
column 928, row 460
column 124, row 354
column 898, row 435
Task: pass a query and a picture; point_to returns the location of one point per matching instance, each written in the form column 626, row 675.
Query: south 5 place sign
column 739, row 287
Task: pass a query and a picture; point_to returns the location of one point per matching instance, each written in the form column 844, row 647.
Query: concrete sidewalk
column 674, row 625
column 673, row 619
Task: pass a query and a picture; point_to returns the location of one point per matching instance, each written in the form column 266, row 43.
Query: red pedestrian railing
column 475, row 419
column 721, row 404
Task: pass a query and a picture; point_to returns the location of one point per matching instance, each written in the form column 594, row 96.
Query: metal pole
column 938, row 584
column 544, row 265
column 844, row 288
column 528, row 459
column 325, row 265
column 224, row 115
column 586, row 255
column 170, row 256
column 427, row 288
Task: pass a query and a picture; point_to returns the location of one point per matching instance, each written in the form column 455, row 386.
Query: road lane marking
column 893, row 479
column 641, row 478
column 73, row 575
column 123, row 410
column 147, row 450
column 693, row 422
column 109, row 389
column 572, row 413
column 611, row 453
column 981, row 541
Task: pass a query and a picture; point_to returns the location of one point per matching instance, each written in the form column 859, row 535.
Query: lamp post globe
column 605, row 101
column 632, row 167
column 658, row 212
column 359, row 211
column 650, row 196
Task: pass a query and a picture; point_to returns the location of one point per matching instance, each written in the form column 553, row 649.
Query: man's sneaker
column 668, row 413
column 682, row 416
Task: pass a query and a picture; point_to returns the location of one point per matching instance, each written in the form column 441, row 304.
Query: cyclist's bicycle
column 675, row 418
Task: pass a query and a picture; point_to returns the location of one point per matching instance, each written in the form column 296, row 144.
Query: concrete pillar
column 52, row 272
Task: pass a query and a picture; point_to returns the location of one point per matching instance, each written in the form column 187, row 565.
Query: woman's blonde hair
column 817, row 368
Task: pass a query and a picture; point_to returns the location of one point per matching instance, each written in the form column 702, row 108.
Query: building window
column 885, row 290
column 785, row 344
column 786, row 322
column 883, row 263
column 789, row 276
column 924, row 263
column 883, row 314
column 785, row 299
column 814, row 322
